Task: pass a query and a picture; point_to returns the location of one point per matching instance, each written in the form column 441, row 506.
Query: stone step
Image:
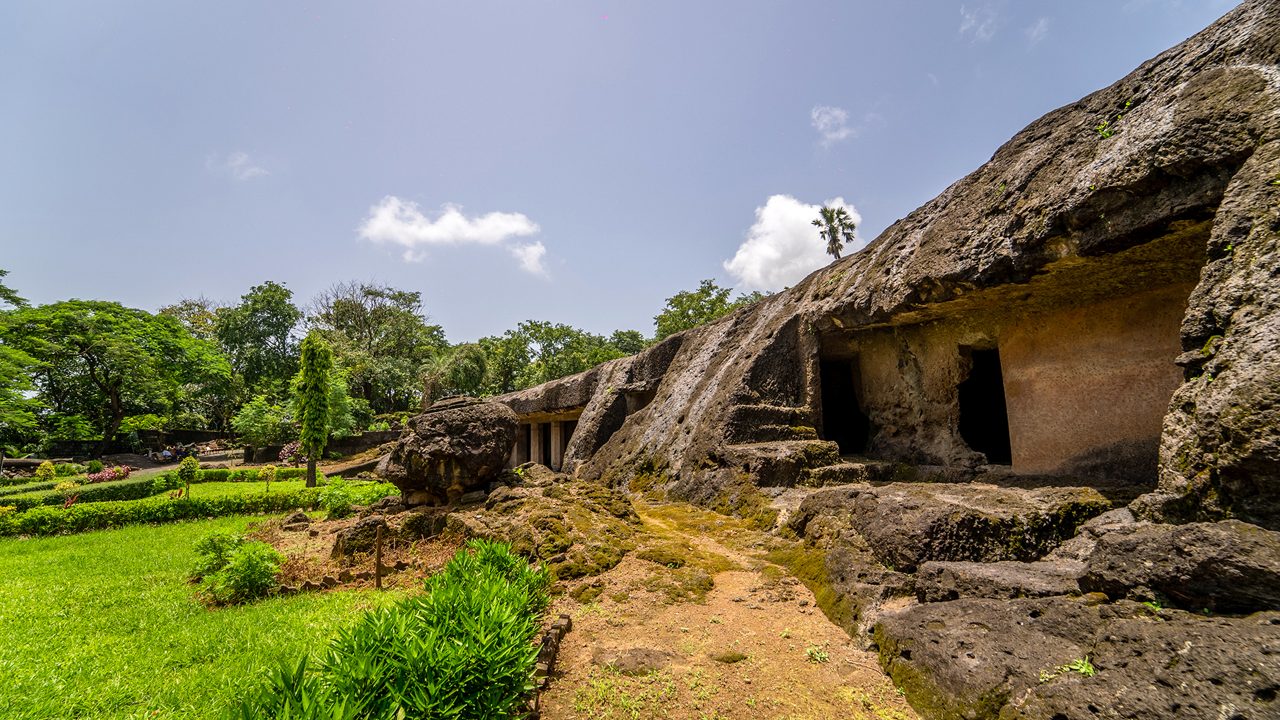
column 778, row 463
column 767, row 423
column 862, row 470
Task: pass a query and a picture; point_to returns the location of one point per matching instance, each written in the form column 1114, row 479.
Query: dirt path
column 706, row 628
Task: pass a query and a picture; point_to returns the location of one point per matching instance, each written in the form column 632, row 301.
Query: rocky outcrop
column 1163, row 180
column 942, row 581
column 456, row 446
column 905, row 524
column 1072, row 658
column 1227, row 566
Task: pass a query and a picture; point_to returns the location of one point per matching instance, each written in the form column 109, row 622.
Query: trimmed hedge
column 134, row 488
column 29, row 487
column 101, row 515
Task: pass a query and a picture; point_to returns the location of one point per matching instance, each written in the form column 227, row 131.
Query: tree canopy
column 102, row 361
column 691, row 308
column 257, row 337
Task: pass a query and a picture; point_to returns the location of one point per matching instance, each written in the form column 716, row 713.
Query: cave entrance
column 544, row 432
column 984, row 418
column 843, row 421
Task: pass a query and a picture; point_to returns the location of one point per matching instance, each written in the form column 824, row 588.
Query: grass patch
column 104, row 625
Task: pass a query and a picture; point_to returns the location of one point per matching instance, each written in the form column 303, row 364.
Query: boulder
column 1227, row 566
column 361, row 537
column 1066, row 658
column 454, row 447
column 905, row 524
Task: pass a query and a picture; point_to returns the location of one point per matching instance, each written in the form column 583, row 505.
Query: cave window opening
column 984, row 419
column 843, row 421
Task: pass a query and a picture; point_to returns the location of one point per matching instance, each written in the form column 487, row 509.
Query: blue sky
column 568, row 161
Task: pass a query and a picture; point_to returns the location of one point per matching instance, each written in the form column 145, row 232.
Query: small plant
column 119, row 472
column 46, row 472
column 94, row 466
column 233, row 570
column 266, row 475
column 1153, row 606
column 1106, row 128
column 67, row 487
column 187, row 471
column 816, row 654
column 1079, row 665
column 71, row 500
column 291, row 454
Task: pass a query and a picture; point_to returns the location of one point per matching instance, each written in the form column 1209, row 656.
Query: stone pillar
column 535, row 443
column 557, row 444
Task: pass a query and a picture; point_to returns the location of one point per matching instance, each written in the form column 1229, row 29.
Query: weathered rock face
column 905, row 524
column 1228, row 566
column 1025, row 659
column 456, row 446
column 1065, row 227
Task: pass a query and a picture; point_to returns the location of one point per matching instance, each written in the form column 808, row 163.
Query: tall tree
column 380, row 337
column 312, row 408
column 17, row 407
column 103, row 361
column 257, row 336
column 836, row 227
column 691, row 308
column 628, row 342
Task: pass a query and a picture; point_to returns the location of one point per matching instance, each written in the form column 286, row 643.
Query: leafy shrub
column 66, row 487
column 267, row 474
column 187, row 470
column 234, row 570
column 118, row 472
column 291, row 454
column 46, row 471
column 68, row 469
column 464, row 650
column 336, row 498
column 94, row 466
column 27, row 487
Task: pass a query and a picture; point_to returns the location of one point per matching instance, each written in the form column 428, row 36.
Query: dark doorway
column 843, row 421
column 525, row 453
column 569, row 427
column 984, row 421
column 546, row 442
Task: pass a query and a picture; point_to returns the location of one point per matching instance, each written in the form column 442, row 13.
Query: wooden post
column 377, row 559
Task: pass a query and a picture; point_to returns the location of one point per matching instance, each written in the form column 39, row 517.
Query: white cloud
column 238, row 165
column 1037, row 31
column 978, row 22
column 783, row 246
column 400, row 222
column 530, row 256
column 832, row 123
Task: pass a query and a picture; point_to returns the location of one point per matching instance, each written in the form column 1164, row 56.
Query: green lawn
column 104, row 625
column 228, row 489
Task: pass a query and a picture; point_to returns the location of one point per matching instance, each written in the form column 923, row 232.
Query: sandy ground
column 755, row 646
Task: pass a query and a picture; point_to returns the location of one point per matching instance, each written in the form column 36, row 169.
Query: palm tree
column 836, row 227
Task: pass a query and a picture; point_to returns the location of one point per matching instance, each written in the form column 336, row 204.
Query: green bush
column 188, row 469
column 67, row 469
column 463, row 651
column 336, row 498
column 94, row 466
column 234, row 570
column 46, row 472
column 85, row 516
